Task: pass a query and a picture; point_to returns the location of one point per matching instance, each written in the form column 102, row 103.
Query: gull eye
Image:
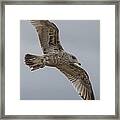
column 73, row 57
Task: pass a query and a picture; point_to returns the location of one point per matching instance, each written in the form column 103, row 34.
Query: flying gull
column 55, row 56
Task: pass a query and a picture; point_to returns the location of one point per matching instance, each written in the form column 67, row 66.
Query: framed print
column 59, row 59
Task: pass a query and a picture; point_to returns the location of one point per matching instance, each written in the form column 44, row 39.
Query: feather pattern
column 79, row 79
column 48, row 35
column 55, row 56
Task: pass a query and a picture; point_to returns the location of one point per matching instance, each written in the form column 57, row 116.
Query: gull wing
column 48, row 34
column 79, row 79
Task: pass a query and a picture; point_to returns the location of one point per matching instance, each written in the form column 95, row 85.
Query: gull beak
column 77, row 64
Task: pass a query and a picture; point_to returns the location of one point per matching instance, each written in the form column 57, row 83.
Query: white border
column 106, row 15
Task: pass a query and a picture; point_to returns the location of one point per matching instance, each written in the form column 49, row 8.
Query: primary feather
column 48, row 35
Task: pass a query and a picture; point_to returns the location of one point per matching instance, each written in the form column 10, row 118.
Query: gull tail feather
column 34, row 62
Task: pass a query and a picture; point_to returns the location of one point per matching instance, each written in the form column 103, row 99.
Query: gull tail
column 34, row 62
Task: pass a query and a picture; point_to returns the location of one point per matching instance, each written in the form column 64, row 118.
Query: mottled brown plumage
column 55, row 56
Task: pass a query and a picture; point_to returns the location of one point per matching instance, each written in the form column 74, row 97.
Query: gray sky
column 80, row 38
